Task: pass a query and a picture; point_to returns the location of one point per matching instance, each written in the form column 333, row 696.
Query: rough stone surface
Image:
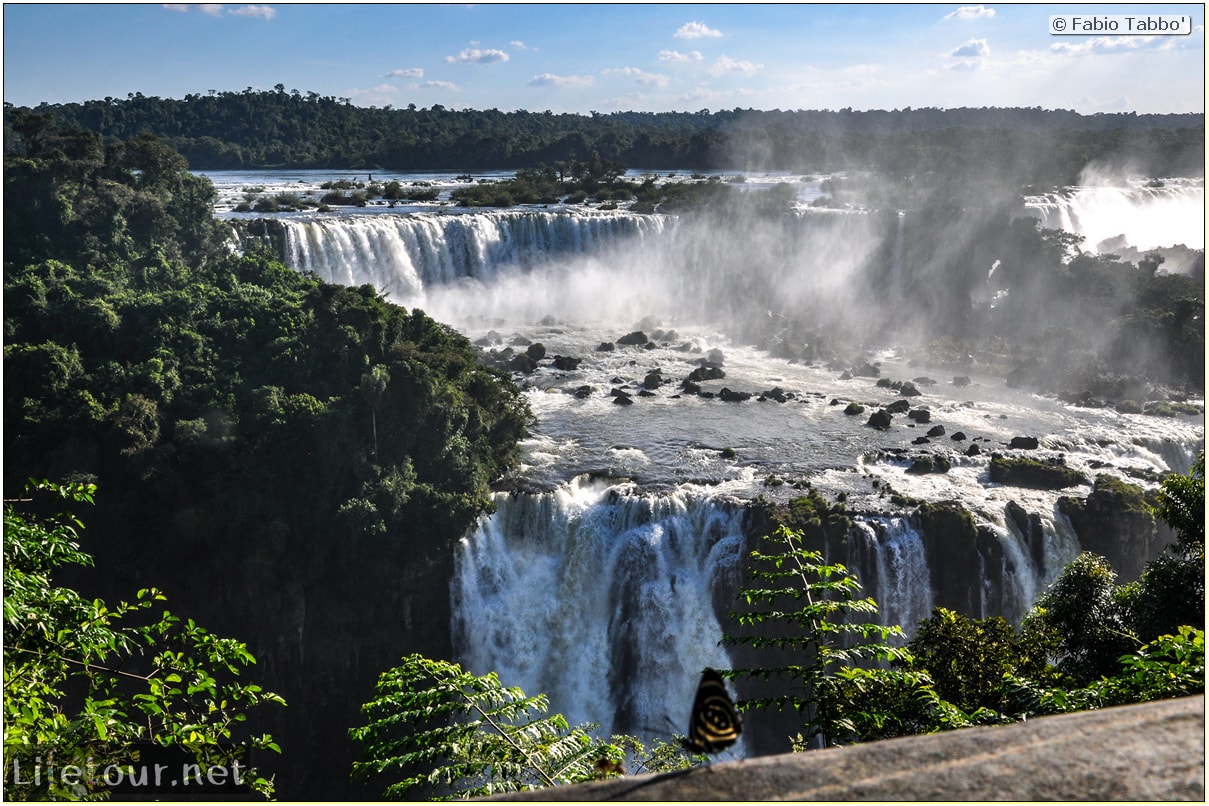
column 1149, row 752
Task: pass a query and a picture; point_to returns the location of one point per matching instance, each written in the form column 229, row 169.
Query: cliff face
column 1115, row 522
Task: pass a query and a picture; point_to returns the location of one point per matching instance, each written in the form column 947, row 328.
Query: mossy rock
column 1033, row 474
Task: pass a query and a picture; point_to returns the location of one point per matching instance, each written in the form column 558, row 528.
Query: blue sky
column 605, row 58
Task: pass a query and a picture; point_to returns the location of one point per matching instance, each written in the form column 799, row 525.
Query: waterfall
column 403, row 256
column 893, row 571
column 1150, row 216
column 601, row 598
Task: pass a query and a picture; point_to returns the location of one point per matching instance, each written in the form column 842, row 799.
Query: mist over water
column 604, row 576
column 1150, row 215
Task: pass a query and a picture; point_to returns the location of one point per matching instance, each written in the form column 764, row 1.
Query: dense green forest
column 291, row 460
column 259, row 129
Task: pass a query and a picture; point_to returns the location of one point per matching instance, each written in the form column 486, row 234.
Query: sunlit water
column 594, row 582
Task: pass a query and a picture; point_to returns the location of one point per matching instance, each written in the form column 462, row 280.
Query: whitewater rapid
column 604, row 577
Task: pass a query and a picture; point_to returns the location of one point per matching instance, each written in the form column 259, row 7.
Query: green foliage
column 801, row 611
column 434, row 727
column 1181, row 504
column 1083, row 608
column 968, row 658
column 85, row 682
column 1170, row 666
column 307, row 130
column 255, row 423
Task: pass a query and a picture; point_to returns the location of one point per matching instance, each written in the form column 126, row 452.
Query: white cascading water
column 604, row 595
column 892, row 567
column 601, row 598
column 405, row 255
column 1154, row 215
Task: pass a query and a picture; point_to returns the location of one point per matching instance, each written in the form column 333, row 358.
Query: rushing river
column 594, row 580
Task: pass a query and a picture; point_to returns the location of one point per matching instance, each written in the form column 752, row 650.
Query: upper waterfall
column 1151, row 215
column 404, row 256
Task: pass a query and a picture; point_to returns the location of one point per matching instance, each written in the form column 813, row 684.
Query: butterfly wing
column 714, row 724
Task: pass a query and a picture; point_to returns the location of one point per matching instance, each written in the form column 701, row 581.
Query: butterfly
column 714, row 724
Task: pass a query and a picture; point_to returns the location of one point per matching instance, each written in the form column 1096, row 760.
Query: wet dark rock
column 623, row 400
column 867, row 370
column 924, row 380
column 936, row 431
column 909, row 390
column 536, row 351
column 1115, row 521
column 920, row 415
column 958, row 436
column 854, row 408
column 973, row 450
column 920, row 441
column 1024, row 443
column 522, row 363
column 928, row 463
column 899, row 407
column 778, row 394
column 520, row 341
column 583, row 391
column 653, row 380
column 548, row 321
column 879, row 419
column 961, row 380
column 691, row 387
column 606, row 347
column 566, row 363
column 637, row 337
column 1030, row 528
column 846, row 376
column 715, row 357
column 706, row 374
column 732, row 396
column 646, row 393
column 1051, row 475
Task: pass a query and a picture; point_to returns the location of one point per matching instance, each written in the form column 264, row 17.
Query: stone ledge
column 1149, row 752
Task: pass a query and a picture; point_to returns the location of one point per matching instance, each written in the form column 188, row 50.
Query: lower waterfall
column 602, row 599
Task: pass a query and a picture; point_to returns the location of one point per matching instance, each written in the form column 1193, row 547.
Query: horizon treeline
column 290, row 129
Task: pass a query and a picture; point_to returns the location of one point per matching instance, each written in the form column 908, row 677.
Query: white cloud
column 435, row 85
column 1107, row 44
column 699, row 94
column 639, row 76
column 551, row 80
column 213, row 9
column 973, row 49
column 519, row 45
column 476, row 56
column 726, row 64
column 256, row 12
column 677, row 56
column 696, row 30
column 970, row 13
column 381, row 94
column 410, row 72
